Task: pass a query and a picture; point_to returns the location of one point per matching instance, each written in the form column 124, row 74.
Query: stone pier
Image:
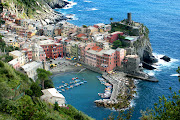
column 120, row 84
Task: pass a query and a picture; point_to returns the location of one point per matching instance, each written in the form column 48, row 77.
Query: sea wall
column 122, row 91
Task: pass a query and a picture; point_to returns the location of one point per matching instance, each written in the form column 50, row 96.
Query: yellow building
column 92, row 29
column 20, row 57
column 14, row 44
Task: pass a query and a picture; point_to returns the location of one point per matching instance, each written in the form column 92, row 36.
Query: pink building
column 90, row 56
column 114, row 36
column 109, row 59
column 14, row 63
column 84, row 48
column 38, row 54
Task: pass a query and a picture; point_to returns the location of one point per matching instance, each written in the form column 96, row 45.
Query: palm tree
column 111, row 19
column 43, row 75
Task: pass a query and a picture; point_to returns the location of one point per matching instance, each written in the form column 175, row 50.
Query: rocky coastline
column 122, row 94
column 57, row 3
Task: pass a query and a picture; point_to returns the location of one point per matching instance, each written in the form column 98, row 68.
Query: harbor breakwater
column 122, row 91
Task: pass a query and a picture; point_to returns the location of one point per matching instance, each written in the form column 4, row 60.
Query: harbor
column 75, row 82
column 122, row 91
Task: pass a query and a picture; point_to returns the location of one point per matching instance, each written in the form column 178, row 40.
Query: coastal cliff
column 56, row 3
column 140, row 44
column 40, row 9
column 142, row 47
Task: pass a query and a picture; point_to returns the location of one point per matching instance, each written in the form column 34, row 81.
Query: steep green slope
column 33, row 8
column 16, row 104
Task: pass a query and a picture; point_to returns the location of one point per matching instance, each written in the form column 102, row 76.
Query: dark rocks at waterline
column 166, row 58
column 148, row 58
column 148, row 66
column 57, row 4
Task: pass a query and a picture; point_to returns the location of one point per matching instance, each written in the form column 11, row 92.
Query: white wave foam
column 92, row 9
column 176, row 75
column 132, row 103
column 70, row 5
column 150, row 72
column 162, row 62
column 136, row 81
column 75, row 18
column 87, row 1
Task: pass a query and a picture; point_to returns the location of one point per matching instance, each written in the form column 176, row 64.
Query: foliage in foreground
column 165, row 109
column 19, row 99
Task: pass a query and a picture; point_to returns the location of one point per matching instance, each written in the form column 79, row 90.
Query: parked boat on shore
column 107, row 90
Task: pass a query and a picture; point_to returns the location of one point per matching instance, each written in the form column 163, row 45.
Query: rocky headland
column 41, row 10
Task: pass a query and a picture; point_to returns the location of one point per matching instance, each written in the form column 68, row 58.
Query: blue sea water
column 162, row 17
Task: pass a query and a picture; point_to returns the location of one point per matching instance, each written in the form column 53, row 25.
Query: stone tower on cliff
column 129, row 20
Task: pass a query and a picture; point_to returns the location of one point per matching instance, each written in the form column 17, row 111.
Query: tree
column 43, row 75
column 84, row 26
column 117, row 44
column 165, row 108
column 56, row 106
column 17, row 48
column 111, row 19
column 120, row 37
column 36, row 90
column 8, row 58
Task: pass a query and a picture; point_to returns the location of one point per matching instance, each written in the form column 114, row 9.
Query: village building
column 114, row 36
column 14, row 63
column 52, row 49
column 90, row 56
column 52, row 96
column 30, row 69
column 107, row 60
column 20, row 55
column 92, row 30
column 131, row 63
column 48, row 30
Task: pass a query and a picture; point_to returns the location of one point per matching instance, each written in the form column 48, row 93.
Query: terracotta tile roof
column 86, row 39
column 68, row 40
column 80, row 35
column 97, row 48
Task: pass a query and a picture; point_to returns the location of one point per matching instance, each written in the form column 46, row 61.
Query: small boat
column 68, row 87
column 65, row 85
column 71, row 86
column 76, row 77
column 77, row 84
column 62, row 81
column 85, row 81
column 81, row 82
column 77, row 81
column 59, row 91
column 100, row 94
column 73, row 78
column 102, row 82
column 63, row 89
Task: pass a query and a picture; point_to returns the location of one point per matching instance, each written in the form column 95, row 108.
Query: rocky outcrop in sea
column 56, row 3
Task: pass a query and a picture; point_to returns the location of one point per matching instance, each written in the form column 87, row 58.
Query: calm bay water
column 163, row 20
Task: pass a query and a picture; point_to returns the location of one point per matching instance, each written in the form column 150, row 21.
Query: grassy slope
column 14, row 105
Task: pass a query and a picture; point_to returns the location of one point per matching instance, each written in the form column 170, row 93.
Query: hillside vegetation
column 32, row 8
column 19, row 99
